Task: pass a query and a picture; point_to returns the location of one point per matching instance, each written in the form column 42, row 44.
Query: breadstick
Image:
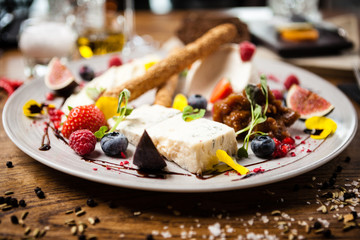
column 177, row 61
column 166, row 92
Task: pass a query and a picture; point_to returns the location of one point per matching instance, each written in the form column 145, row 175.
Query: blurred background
column 14, row 12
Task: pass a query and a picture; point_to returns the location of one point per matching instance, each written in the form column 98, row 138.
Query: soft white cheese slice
column 192, row 145
column 142, row 118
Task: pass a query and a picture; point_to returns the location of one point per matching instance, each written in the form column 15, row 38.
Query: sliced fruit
column 222, row 89
column 59, row 78
column 307, row 103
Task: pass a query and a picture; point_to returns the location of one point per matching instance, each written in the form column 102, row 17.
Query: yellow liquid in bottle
column 90, row 45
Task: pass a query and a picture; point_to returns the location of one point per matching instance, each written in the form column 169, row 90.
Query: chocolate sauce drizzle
column 45, row 141
column 161, row 174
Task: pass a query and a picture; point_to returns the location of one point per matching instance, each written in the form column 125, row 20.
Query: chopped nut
column 70, row 222
column 73, row 230
column 24, row 215
column 349, row 226
column 80, row 213
column 320, row 230
column 36, row 233
column 27, row 230
column 340, row 217
column 322, row 209
column 348, row 218
column 81, row 228
column 91, row 220
column 276, row 213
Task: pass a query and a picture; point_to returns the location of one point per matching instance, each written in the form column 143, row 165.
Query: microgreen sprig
column 122, row 110
column 257, row 114
column 189, row 113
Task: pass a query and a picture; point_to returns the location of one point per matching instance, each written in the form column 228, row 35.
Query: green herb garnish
column 123, row 111
column 257, row 115
column 93, row 92
column 189, row 113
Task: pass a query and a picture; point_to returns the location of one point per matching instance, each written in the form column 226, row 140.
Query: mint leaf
column 101, row 132
column 190, row 114
column 242, row 152
column 94, row 93
column 124, row 111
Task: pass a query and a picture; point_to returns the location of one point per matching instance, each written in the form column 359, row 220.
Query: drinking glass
column 42, row 39
column 100, row 31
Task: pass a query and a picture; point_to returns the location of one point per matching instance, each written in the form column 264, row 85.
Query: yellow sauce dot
column 86, row 51
column 108, row 105
column 180, row 102
column 328, row 126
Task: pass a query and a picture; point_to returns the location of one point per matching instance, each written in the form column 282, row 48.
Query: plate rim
column 196, row 188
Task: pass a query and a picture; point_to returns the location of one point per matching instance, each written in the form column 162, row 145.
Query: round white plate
column 310, row 154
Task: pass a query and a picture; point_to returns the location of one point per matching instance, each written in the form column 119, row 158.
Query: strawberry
column 83, row 117
column 247, row 50
column 290, row 80
column 115, row 61
column 222, row 90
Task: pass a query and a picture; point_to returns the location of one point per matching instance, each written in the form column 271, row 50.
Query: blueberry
column 263, row 146
column 86, row 73
column 114, row 143
column 197, row 101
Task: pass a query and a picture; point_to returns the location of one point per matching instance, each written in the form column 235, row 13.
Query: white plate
column 27, row 134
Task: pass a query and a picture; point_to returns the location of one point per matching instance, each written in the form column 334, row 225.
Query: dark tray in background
column 329, row 42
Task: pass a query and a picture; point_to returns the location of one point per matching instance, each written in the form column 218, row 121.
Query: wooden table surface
column 134, row 214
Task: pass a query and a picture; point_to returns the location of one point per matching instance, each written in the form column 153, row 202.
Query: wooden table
column 134, row 214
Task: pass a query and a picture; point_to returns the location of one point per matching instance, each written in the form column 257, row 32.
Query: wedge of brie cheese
column 142, row 118
column 192, row 145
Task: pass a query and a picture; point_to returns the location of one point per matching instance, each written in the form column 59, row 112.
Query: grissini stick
column 165, row 92
column 177, row 61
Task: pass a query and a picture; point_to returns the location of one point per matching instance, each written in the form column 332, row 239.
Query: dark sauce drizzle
column 45, row 141
column 160, row 174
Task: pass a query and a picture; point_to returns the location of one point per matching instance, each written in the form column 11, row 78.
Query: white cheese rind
column 142, row 118
column 192, row 145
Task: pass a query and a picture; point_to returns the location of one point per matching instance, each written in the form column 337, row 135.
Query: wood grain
column 133, row 214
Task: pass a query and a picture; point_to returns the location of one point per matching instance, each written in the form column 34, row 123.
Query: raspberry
column 82, row 141
column 288, row 140
column 277, row 94
column 83, row 117
column 50, row 96
column 115, row 61
column 247, row 50
column 290, row 80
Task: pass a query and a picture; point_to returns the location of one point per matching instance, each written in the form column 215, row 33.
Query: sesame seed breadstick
column 177, row 61
column 166, row 92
